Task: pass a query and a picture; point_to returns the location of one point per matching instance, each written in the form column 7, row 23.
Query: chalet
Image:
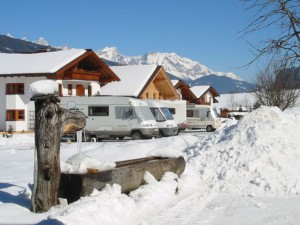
column 203, row 95
column 143, row 82
column 78, row 72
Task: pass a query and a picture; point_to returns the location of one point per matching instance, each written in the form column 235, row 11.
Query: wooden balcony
column 81, row 75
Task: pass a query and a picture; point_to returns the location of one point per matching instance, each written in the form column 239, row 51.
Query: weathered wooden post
column 51, row 123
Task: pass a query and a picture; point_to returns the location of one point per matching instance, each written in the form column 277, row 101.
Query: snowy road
column 180, row 211
column 228, row 209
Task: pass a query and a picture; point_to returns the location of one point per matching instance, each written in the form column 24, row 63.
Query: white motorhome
column 113, row 116
column 202, row 117
column 165, row 121
column 178, row 110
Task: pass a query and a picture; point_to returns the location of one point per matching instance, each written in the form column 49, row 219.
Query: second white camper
column 178, row 110
column 166, row 123
column 113, row 116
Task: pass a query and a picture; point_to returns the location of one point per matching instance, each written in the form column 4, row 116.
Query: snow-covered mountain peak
column 42, row 41
column 181, row 67
column 109, row 53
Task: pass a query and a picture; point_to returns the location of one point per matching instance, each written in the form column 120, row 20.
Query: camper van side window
column 98, row 111
column 123, row 112
column 189, row 113
column 172, row 111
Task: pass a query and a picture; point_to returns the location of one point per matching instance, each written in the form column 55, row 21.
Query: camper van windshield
column 143, row 113
column 159, row 117
column 167, row 113
column 214, row 113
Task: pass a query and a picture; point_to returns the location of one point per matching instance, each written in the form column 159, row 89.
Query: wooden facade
column 159, row 86
column 86, row 67
column 185, row 91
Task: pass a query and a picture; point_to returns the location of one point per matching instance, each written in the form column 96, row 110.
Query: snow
column 199, row 90
column 80, row 163
column 43, row 87
column 37, row 63
column 248, row 173
column 130, row 76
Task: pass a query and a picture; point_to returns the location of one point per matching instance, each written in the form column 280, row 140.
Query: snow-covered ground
column 248, row 172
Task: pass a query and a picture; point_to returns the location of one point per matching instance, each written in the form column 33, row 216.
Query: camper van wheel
column 87, row 138
column 209, row 128
column 136, row 135
column 160, row 134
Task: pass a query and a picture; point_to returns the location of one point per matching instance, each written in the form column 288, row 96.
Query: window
column 157, row 115
column 98, row 111
column 14, row 88
column 172, row 111
column 15, row 115
column 123, row 112
column 70, row 88
column 189, row 113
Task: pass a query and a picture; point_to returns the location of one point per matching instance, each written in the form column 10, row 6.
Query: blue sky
column 202, row 30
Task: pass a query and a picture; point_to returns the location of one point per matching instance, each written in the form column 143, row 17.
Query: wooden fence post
column 51, row 123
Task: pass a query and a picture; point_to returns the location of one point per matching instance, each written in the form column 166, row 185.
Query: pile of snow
column 110, row 206
column 259, row 156
column 43, row 87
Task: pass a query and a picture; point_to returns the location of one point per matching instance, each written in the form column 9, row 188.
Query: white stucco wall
column 23, row 101
column 2, row 103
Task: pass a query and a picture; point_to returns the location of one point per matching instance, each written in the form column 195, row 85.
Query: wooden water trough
column 128, row 174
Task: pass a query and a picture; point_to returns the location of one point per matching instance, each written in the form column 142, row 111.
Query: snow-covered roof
column 174, row 82
column 199, row 90
column 35, row 63
column 133, row 79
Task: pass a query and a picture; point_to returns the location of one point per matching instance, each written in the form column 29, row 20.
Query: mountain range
column 9, row 44
column 180, row 68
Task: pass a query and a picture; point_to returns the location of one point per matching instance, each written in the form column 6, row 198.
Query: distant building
column 202, row 95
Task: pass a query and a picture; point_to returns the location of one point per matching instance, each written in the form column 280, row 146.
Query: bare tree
column 276, row 87
column 284, row 16
column 231, row 102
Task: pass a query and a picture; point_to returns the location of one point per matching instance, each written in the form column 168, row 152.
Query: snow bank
column 257, row 156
